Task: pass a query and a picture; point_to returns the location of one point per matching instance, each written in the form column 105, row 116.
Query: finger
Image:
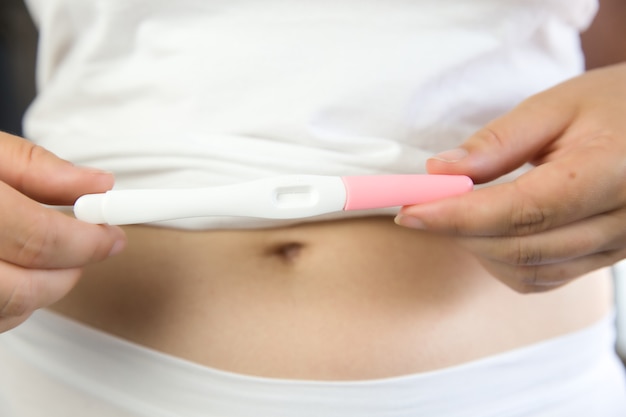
column 528, row 132
column 598, row 234
column 522, row 135
column 585, row 182
column 37, row 237
column 39, row 174
column 24, row 290
column 510, row 141
column 540, row 278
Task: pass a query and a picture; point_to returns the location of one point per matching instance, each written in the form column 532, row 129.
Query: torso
column 349, row 299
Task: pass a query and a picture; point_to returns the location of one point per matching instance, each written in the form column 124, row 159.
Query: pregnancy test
column 281, row 197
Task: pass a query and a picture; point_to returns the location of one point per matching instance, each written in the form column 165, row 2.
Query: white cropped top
column 194, row 93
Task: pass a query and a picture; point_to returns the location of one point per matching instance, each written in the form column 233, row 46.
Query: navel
column 288, row 252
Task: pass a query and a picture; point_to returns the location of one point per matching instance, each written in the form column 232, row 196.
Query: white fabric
column 192, row 93
column 54, row 367
column 619, row 275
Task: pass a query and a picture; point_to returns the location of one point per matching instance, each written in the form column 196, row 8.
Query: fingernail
column 452, row 155
column 118, row 246
column 409, row 221
column 120, row 240
column 90, row 169
column 95, row 171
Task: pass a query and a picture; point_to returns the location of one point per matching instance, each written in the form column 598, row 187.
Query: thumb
column 507, row 142
column 39, row 174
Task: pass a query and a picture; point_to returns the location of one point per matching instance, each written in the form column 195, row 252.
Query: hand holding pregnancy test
column 282, row 197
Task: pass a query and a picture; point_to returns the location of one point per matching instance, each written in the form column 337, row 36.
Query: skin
column 603, row 42
column 554, row 223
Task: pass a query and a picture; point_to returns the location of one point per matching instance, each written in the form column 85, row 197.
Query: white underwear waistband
column 572, row 375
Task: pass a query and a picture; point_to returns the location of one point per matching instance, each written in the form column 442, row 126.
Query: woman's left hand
column 564, row 217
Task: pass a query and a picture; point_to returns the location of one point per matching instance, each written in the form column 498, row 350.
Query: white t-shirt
column 194, row 93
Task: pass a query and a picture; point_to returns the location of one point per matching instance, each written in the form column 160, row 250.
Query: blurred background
column 18, row 39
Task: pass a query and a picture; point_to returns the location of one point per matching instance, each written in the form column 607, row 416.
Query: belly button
column 288, row 252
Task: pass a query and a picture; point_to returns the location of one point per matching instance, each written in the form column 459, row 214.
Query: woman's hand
column 564, row 217
column 41, row 250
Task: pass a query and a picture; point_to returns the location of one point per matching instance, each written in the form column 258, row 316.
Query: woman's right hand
column 42, row 250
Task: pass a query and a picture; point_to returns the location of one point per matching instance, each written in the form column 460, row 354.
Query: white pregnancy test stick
column 282, row 197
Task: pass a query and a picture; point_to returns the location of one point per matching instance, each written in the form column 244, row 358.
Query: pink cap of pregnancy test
column 368, row 192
